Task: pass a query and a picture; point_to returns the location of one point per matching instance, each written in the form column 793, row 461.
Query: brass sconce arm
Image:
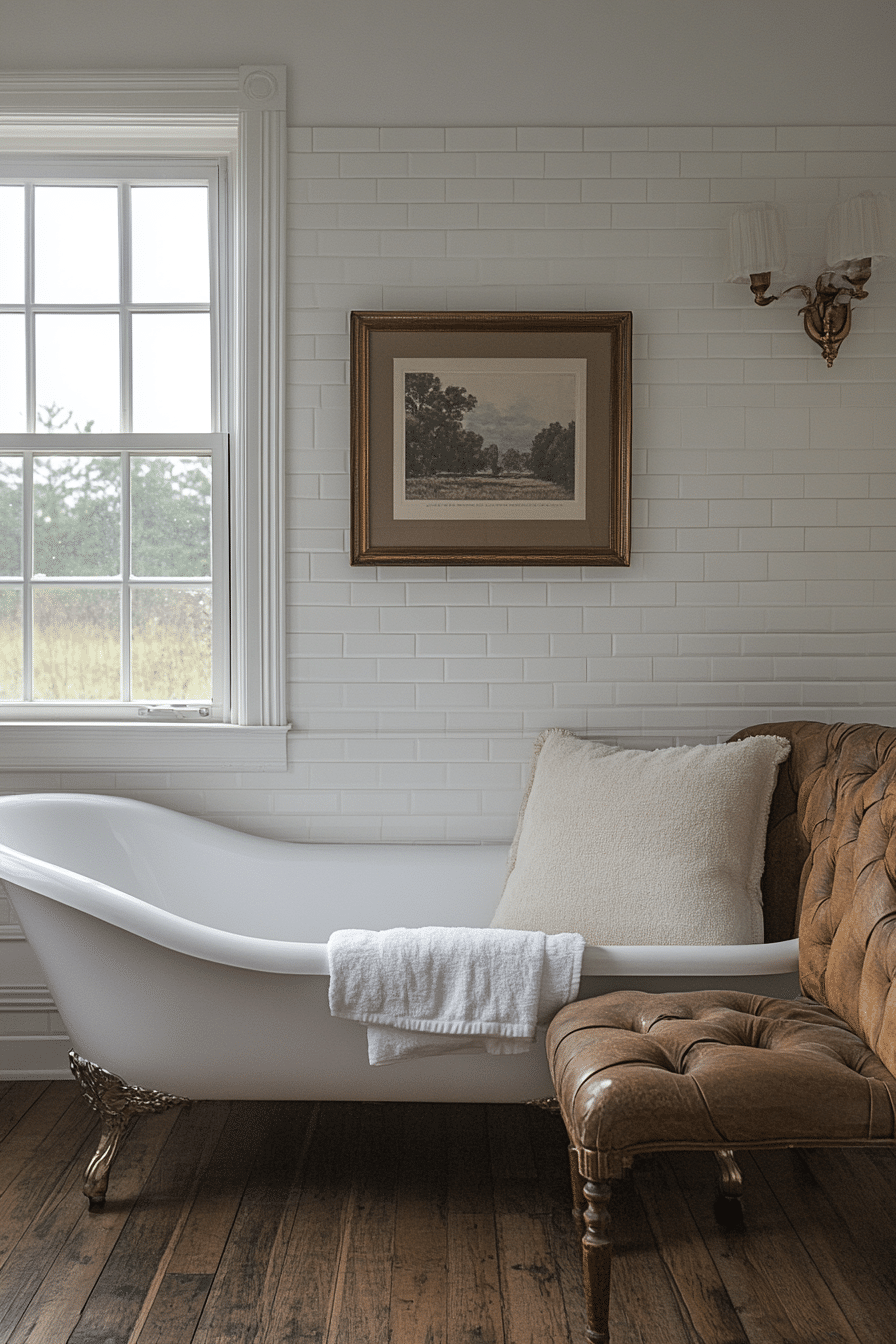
column 826, row 318
column 759, row 283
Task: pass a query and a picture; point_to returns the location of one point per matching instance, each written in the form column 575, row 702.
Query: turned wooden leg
column 117, row 1104
column 596, row 1254
column 728, row 1209
column 579, row 1202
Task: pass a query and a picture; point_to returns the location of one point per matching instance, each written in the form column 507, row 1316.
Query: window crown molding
column 258, row 87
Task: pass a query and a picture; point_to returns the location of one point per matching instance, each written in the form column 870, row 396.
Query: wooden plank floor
column 341, row 1223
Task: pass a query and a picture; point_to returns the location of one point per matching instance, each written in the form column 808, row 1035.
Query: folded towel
column 447, row 990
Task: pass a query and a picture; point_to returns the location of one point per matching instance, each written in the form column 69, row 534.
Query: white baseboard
column 30, row 1058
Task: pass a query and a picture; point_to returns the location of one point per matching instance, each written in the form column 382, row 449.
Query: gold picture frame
column 491, row 438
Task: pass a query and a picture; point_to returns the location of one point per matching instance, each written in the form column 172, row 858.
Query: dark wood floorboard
column 342, row 1223
column 54, row 1310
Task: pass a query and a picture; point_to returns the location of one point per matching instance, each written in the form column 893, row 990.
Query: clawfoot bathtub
column 192, row 960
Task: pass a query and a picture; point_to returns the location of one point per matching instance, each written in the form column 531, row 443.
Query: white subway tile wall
column 762, row 582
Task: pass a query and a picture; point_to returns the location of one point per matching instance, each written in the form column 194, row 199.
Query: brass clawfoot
column 728, row 1208
column 117, row 1104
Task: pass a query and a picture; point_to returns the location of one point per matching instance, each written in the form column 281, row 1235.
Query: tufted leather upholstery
column 639, row 1072
column 834, row 816
column 719, row 1069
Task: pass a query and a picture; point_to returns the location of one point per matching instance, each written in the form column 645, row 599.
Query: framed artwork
column 491, row 438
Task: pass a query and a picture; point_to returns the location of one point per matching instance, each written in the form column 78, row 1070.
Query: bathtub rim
column 204, row 941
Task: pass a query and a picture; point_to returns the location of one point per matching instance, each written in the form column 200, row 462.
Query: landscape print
column 489, row 438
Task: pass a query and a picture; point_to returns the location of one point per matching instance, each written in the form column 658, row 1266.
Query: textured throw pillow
column 641, row 847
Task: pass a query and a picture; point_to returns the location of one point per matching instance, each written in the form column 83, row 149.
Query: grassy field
column 507, row 489
column 83, row 663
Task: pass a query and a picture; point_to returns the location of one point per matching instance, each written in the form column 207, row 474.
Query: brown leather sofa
column 719, row 1069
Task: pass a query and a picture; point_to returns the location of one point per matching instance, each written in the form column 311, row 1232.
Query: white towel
column 448, row 990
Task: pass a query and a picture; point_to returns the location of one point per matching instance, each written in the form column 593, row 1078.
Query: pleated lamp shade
column 858, row 228
column 757, row 242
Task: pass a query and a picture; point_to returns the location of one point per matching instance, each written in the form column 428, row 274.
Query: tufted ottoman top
column 636, row 1072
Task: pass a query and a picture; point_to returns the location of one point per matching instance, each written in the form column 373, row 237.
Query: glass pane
column 10, row 516
column 11, row 687
column 12, row 244
column 171, row 517
column 77, row 516
column 12, row 373
column 76, row 244
column 172, row 373
column 171, row 644
column 78, row 380
column 169, row 253
column 77, row 644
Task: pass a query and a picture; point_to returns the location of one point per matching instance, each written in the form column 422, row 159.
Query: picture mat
column 553, row 390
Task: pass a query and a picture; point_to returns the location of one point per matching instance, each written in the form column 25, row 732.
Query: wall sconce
column 858, row 237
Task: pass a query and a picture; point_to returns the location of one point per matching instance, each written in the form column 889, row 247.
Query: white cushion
column 642, row 847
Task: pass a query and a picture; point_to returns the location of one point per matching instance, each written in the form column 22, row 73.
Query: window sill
column 141, row 746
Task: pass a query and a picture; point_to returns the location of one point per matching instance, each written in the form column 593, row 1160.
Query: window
column 113, row 572
column 141, row 419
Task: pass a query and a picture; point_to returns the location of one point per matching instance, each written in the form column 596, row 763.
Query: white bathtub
column 191, row 959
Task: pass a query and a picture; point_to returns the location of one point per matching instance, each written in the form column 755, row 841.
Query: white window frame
column 240, row 115
column 124, row 443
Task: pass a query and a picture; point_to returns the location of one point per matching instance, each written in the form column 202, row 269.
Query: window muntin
column 111, row 328
column 107, row 561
